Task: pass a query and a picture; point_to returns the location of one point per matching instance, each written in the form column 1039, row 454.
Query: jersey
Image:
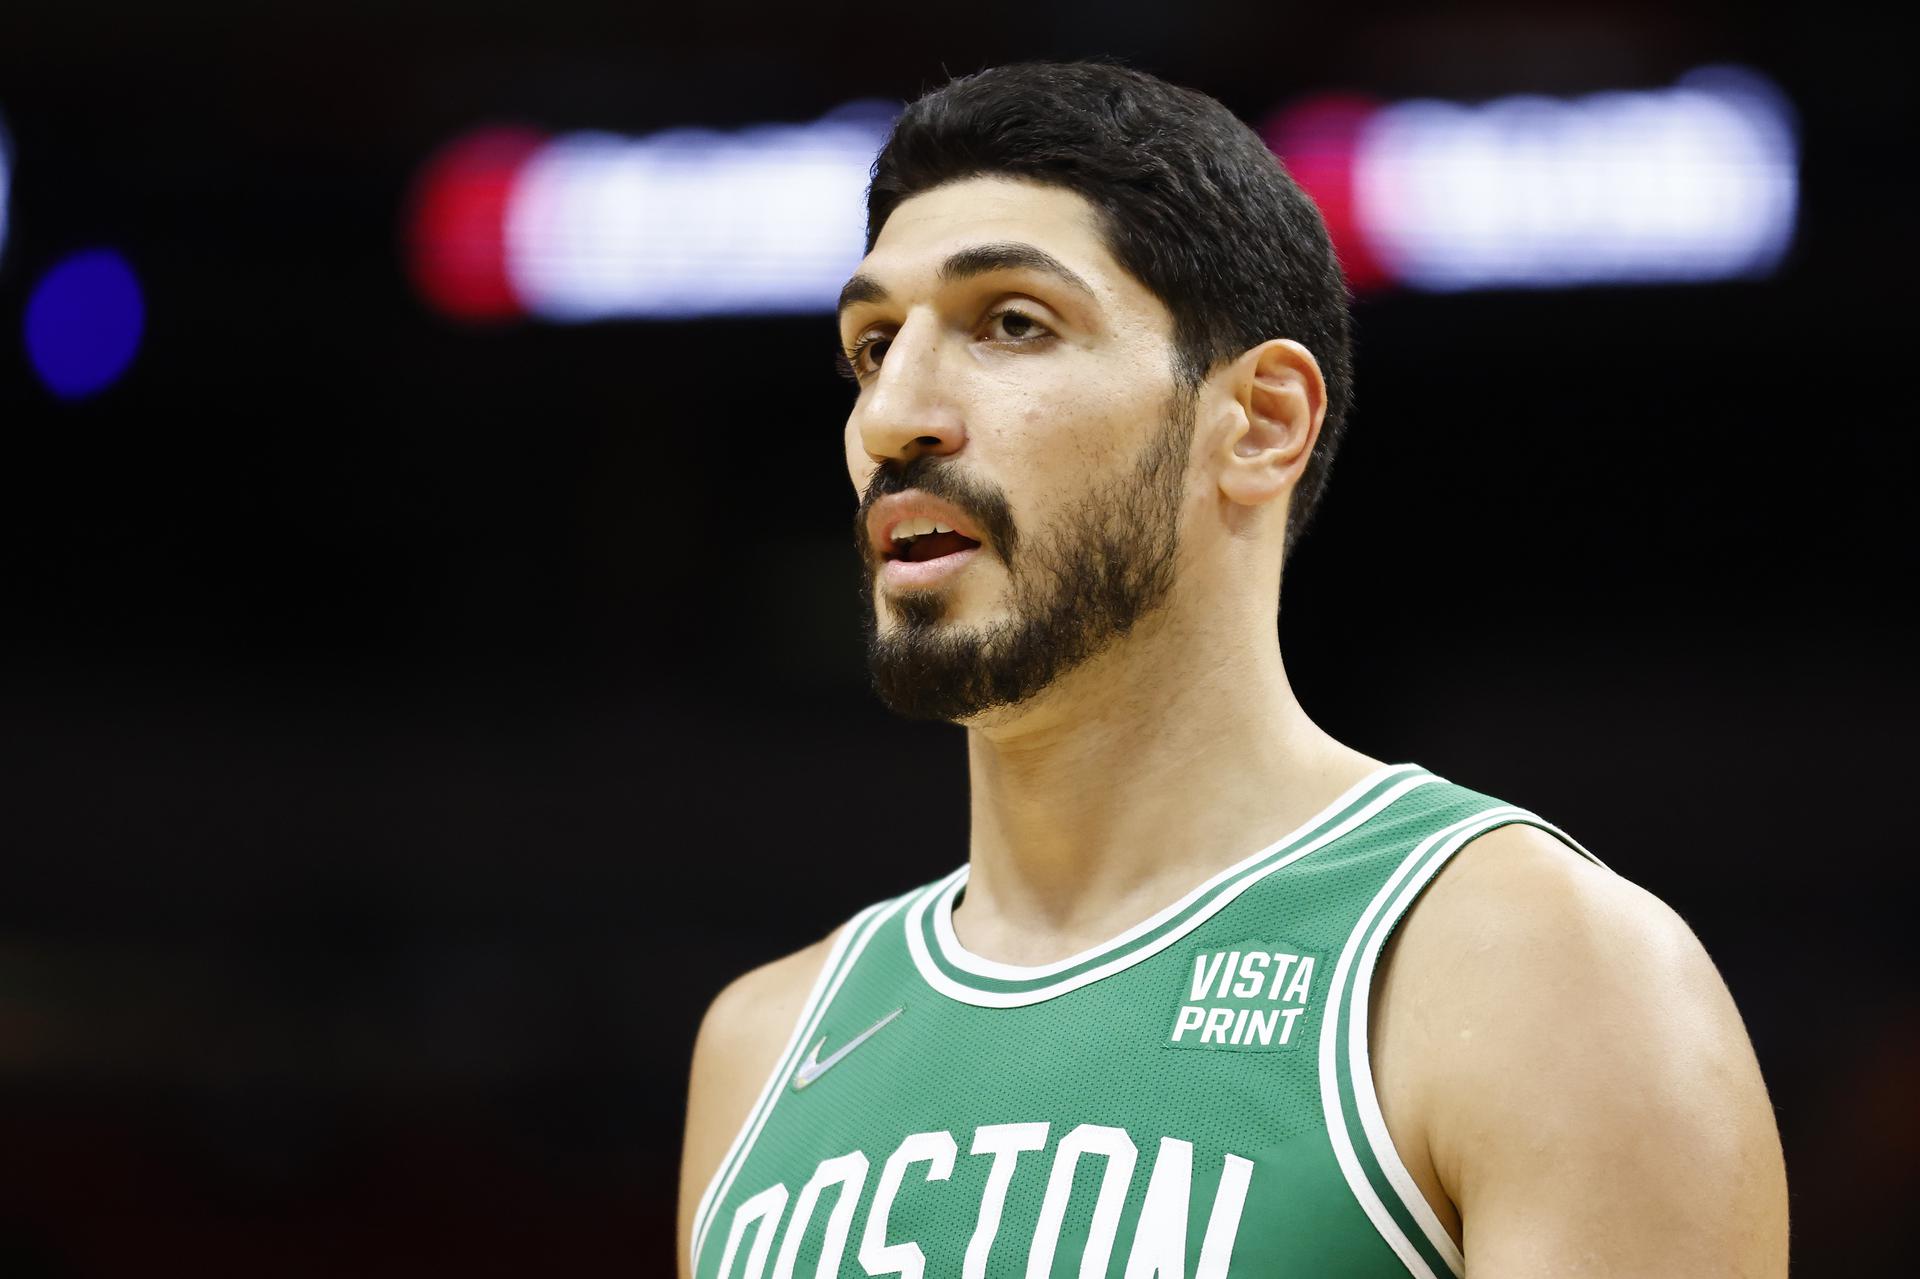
column 1191, row 1100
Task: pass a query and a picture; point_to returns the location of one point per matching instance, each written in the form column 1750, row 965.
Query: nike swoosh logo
column 812, row 1068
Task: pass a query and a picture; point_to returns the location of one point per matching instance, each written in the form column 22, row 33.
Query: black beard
column 1108, row 563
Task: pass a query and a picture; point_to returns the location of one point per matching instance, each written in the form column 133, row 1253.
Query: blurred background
column 391, row 772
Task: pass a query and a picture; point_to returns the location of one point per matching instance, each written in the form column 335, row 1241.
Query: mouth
column 922, row 553
column 911, row 545
column 917, row 541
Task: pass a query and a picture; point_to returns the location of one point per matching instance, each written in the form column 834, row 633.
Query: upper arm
column 737, row 1048
column 1588, row 1094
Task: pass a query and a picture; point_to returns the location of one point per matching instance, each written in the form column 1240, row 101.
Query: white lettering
column 1189, row 1019
column 1204, row 973
column 1302, row 981
column 1223, row 1223
column 1281, row 962
column 1004, row 1142
column 1218, row 1022
column 1121, row 1155
column 1251, row 980
column 1240, row 1027
column 849, row 1172
column 1286, row 1029
column 764, row 1208
column 1226, row 974
column 1261, row 1025
column 1160, row 1238
column 936, row 1149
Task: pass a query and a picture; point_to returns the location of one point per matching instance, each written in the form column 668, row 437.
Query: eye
column 1015, row 326
column 865, row 356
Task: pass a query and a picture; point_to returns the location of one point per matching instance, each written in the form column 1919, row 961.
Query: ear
column 1282, row 400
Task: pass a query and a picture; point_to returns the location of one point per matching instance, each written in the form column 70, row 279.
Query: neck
column 1096, row 810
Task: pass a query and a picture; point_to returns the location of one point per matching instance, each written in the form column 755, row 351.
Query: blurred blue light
column 84, row 323
column 6, row 168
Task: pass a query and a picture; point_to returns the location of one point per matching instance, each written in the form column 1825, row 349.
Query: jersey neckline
column 950, row 968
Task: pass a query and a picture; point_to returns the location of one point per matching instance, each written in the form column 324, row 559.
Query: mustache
column 983, row 501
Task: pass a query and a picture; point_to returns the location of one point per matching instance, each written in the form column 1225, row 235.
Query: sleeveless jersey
column 1191, row 1100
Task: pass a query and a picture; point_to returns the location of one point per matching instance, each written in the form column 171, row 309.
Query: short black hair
column 1193, row 204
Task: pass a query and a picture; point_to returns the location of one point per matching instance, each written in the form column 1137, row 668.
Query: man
column 1215, row 995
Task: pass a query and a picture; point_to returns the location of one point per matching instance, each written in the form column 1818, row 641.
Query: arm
column 738, row 1046
column 1567, row 1077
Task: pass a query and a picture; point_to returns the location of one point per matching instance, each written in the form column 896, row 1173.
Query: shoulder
column 752, row 1017
column 1518, row 915
column 739, row 1044
column 1519, row 890
column 1526, row 951
column 1563, row 1039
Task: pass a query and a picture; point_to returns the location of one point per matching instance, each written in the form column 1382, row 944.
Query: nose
column 908, row 410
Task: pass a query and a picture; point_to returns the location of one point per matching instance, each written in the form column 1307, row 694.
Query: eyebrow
column 975, row 260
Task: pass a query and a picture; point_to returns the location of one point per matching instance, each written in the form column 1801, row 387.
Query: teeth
column 908, row 529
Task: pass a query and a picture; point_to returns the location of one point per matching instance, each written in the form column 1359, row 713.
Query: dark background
column 392, row 770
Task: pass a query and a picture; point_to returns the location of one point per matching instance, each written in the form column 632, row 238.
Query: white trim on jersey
column 852, row 939
column 1375, row 926
column 941, row 902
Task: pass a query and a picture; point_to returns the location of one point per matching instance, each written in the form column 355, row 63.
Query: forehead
column 930, row 227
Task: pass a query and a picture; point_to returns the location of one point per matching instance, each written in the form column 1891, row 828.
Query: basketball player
column 1215, row 995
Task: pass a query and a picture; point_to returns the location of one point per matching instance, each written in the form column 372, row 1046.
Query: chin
column 998, row 717
column 924, row 610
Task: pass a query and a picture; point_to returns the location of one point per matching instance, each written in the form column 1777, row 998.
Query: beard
column 1107, row 563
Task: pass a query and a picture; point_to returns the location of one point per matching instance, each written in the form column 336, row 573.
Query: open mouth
column 917, row 541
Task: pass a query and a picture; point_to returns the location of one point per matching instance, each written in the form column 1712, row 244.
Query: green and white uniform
column 1191, row 1100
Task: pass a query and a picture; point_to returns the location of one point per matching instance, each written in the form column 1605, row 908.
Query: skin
column 1554, row 1052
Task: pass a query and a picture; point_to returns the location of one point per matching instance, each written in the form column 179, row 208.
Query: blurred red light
column 456, row 228
column 1318, row 140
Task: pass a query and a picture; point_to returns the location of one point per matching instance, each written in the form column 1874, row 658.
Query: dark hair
column 1194, row 205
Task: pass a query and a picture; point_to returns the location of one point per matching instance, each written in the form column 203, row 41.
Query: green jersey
column 1191, row 1100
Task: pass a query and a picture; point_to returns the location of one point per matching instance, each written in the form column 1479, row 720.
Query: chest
column 1194, row 1099
column 1164, row 1121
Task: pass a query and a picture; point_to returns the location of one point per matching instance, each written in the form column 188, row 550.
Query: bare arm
column 738, row 1046
column 1566, row 1074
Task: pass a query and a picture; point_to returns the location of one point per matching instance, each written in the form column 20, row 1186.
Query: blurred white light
column 693, row 222
column 1696, row 182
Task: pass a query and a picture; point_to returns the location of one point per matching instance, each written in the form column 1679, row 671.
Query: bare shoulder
column 1570, row 1068
column 1519, row 920
column 748, row 1022
column 1520, row 893
column 739, row 1044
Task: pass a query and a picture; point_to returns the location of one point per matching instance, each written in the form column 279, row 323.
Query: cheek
column 1094, row 419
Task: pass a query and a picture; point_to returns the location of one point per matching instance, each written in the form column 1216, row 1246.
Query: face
column 1020, row 442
